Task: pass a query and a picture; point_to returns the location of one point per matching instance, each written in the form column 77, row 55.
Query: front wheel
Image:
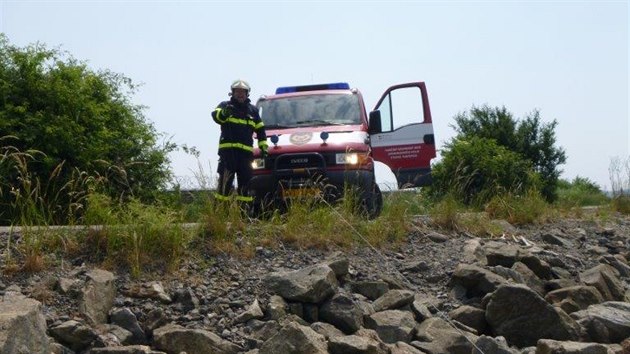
column 373, row 202
column 263, row 206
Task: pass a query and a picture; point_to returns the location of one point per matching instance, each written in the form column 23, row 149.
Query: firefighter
column 238, row 119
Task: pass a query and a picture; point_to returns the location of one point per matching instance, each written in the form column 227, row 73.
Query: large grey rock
column 131, row 349
column 277, row 307
column 97, row 296
column 550, row 346
column 403, row 348
column 556, row 238
column 67, row 286
column 370, row 289
column 126, row 319
column 608, row 322
column 293, row 318
column 503, row 254
column 356, row 344
column 252, row 312
column 520, row 315
column 574, row 298
column 621, row 266
column 394, row 280
column 312, row 284
column 509, row 273
column 541, row 268
column 175, row 339
column 294, row 338
column 156, row 318
column 342, row 312
column 435, row 336
column 530, row 278
column 393, row 299
column 366, row 307
column 326, row 329
column 153, row 290
column 73, row 334
column 58, row 348
column 604, row 278
column 493, row 345
column 110, row 335
column 185, row 300
column 263, row 330
column 339, row 263
column 472, row 252
column 437, row 237
column 470, row 316
column 420, row 308
column 471, row 281
column 415, row 266
column 499, row 253
column 22, row 327
column 392, row 325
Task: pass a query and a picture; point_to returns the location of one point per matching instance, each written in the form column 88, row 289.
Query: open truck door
column 401, row 133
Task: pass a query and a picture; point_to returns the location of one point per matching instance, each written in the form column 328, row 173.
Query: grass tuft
column 519, row 209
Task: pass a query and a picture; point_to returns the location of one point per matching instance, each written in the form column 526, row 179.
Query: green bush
column 529, row 137
column 78, row 120
column 474, row 170
column 580, row 192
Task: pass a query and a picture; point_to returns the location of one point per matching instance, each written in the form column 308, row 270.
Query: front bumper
column 331, row 183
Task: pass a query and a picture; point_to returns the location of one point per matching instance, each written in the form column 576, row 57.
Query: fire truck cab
column 321, row 141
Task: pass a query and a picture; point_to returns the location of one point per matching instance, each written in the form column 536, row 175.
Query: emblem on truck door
column 301, row 138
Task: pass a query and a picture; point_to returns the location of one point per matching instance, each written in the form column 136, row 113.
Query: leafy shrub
column 580, row 192
column 476, row 169
column 78, row 120
column 529, row 137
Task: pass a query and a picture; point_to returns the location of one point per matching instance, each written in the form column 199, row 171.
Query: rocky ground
column 561, row 287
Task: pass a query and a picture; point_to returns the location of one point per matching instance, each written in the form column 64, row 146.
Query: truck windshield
column 314, row 110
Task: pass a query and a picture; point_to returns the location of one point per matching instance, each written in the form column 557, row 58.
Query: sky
column 566, row 59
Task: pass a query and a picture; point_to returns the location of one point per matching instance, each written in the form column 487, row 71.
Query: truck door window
column 386, row 114
column 406, row 107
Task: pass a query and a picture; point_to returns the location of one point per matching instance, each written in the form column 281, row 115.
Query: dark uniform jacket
column 238, row 123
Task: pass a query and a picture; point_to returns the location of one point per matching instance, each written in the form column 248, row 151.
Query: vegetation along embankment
column 75, row 150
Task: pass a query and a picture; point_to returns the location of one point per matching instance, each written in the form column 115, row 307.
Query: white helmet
column 240, row 84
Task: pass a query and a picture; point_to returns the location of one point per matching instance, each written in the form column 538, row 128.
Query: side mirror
column 375, row 126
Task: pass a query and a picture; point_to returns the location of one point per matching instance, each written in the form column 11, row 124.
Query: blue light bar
column 331, row 86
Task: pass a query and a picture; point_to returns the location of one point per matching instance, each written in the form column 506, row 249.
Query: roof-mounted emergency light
column 330, row 86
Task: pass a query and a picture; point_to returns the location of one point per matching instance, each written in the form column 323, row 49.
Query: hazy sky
column 567, row 59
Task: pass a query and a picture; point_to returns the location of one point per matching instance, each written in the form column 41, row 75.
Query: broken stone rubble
column 505, row 298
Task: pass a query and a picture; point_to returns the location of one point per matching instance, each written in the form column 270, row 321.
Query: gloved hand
column 226, row 111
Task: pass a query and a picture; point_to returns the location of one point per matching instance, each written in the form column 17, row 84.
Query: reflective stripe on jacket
column 239, row 121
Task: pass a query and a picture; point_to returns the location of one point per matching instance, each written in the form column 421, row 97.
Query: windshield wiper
column 318, row 122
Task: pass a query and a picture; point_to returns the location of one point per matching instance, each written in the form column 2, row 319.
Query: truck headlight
column 350, row 158
column 258, row 164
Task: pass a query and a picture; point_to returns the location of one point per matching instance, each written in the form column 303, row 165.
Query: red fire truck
column 322, row 141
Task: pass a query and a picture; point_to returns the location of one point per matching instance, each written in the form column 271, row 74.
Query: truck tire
column 373, row 202
column 262, row 207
